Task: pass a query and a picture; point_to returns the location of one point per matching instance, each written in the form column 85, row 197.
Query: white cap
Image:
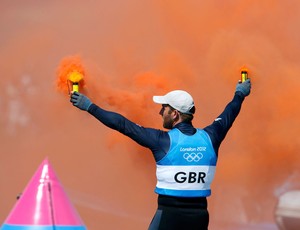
column 178, row 99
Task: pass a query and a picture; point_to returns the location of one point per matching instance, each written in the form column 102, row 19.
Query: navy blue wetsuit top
column 158, row 141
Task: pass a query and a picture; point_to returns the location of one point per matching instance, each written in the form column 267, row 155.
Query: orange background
column 133, row 50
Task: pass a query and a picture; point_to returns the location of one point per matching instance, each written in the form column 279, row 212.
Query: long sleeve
column 221, row 125
column 157, row 141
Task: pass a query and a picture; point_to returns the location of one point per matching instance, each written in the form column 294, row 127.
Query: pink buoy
column 43, row 204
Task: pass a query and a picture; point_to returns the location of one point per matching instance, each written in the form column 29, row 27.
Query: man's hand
column 80, row 101
column 244, row 87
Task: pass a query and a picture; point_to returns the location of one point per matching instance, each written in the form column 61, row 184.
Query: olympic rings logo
column 190, row 157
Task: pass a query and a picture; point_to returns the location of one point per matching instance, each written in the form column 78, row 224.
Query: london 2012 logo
column 193, row 157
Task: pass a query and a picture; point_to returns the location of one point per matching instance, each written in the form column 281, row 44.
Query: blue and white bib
column 188, row 168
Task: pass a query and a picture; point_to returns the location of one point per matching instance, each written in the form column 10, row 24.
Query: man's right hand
column 80, row 101
column 244, row 87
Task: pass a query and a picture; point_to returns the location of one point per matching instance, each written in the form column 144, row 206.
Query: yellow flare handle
column 75, row 87
column 244, row 75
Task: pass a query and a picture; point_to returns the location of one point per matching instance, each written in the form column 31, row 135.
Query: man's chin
column 166, row 126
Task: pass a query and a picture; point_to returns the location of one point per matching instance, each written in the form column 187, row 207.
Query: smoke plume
column 129, row 51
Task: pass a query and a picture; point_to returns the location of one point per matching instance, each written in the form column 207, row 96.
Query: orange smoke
column 70, row 71
column 146, row 49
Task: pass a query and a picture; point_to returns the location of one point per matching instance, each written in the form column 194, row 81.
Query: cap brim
column 159, row 99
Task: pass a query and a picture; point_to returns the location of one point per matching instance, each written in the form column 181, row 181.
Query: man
column 185, row 156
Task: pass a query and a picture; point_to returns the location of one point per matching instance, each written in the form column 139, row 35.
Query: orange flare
column 72, row 70
column 244, row 69
column 75, row 77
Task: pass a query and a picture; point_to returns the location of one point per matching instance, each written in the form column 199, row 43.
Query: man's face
column 166, row 113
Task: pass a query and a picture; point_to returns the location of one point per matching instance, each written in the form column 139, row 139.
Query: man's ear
column 176, row 115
